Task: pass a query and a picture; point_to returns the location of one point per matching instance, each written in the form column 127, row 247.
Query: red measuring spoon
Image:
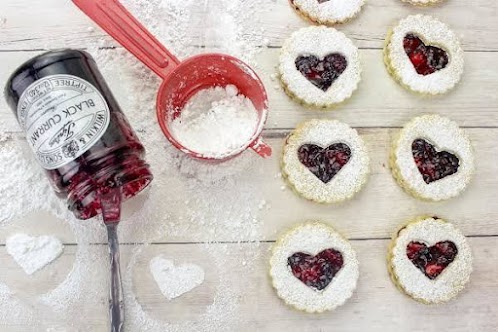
column 180, row 79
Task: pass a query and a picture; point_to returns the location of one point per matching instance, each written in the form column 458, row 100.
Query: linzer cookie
column 432, row 158
column 327, row 11
column 430, row 260
column 325, row 161
column 424, row 55
column 313, row 268
column 319, row 67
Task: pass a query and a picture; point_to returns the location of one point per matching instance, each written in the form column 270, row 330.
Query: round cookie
column 432, row 158
column 319, row 67
column 327, row 12
column 325, row 161
column 313, row 268
column 424, row 55
column 430, row 260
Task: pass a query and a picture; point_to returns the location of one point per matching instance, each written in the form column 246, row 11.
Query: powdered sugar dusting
column 331, row 11
column 175, row 280
column 33, row 253
column 432, row 32
column 446, row 135
column 451, row 281
column 215, row 122
column 313, row 238
column 319, row 41
column 23, row 185
column 423, row 2
column 348, row 181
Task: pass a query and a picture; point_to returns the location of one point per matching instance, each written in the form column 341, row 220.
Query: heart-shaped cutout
column 433, row 165
column 33, row 253
column 321, row 72
column 425, row 59
column 174, row 281
column 316, row 271
column 431, row 260
column 325, row 163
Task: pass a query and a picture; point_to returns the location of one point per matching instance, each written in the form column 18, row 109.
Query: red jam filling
column 433, row 165
column 322, row 73
column 324, row 163
column 431, row 260
column 425, row 59
column 316, row 271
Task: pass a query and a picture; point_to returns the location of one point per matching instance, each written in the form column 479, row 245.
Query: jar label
column 63, row 116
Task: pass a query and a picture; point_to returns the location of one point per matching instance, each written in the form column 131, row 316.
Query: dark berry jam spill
column 325, row 163
column 433, row 165
column 316, row 271
column 322, row 73
column 425, row 59
column 431, row 260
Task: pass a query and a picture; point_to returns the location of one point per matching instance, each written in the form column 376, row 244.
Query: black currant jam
column 76, row 129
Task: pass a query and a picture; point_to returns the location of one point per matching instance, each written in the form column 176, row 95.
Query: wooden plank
column 379, row 101
column 60, row 24
column 376, row 302
column 374, row 213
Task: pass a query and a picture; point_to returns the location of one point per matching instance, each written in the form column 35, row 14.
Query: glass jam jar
column 76, row 129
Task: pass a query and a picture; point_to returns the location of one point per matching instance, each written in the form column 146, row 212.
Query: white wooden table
column 378, row 109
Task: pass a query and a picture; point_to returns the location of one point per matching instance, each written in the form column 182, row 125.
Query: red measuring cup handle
column 261, row 148
column 118, row 22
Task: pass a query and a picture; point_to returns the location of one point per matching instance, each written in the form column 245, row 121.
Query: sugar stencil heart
column 173, row 281
column 33, row 253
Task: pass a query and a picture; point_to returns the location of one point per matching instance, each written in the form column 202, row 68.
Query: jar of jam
column 76, row 129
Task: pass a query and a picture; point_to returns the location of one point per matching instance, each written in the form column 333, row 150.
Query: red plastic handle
column 261, row 148
column 118, row 22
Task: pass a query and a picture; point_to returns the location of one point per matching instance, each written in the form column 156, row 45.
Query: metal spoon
column 110, row 201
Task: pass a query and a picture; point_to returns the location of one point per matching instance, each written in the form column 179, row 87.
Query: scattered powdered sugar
column 172, row 280
column 216, row 122
column 454, row 277
column 347, row 182
column 33, row 253
column 432, row 32
column 23, row 185
column 422, row 2
column 445, row 135
column 312, row 238
column 330, row 11
column 320, row 42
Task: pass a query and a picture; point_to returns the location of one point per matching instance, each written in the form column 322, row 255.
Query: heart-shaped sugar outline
column 33, row 253
column 321, row 72
column 431, row 260
column 433, row 165
column 316, row 271
column 425, row 59
column 324, row 163
column 172, row 280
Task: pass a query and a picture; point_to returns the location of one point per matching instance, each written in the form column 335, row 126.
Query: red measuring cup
column 181, row 79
